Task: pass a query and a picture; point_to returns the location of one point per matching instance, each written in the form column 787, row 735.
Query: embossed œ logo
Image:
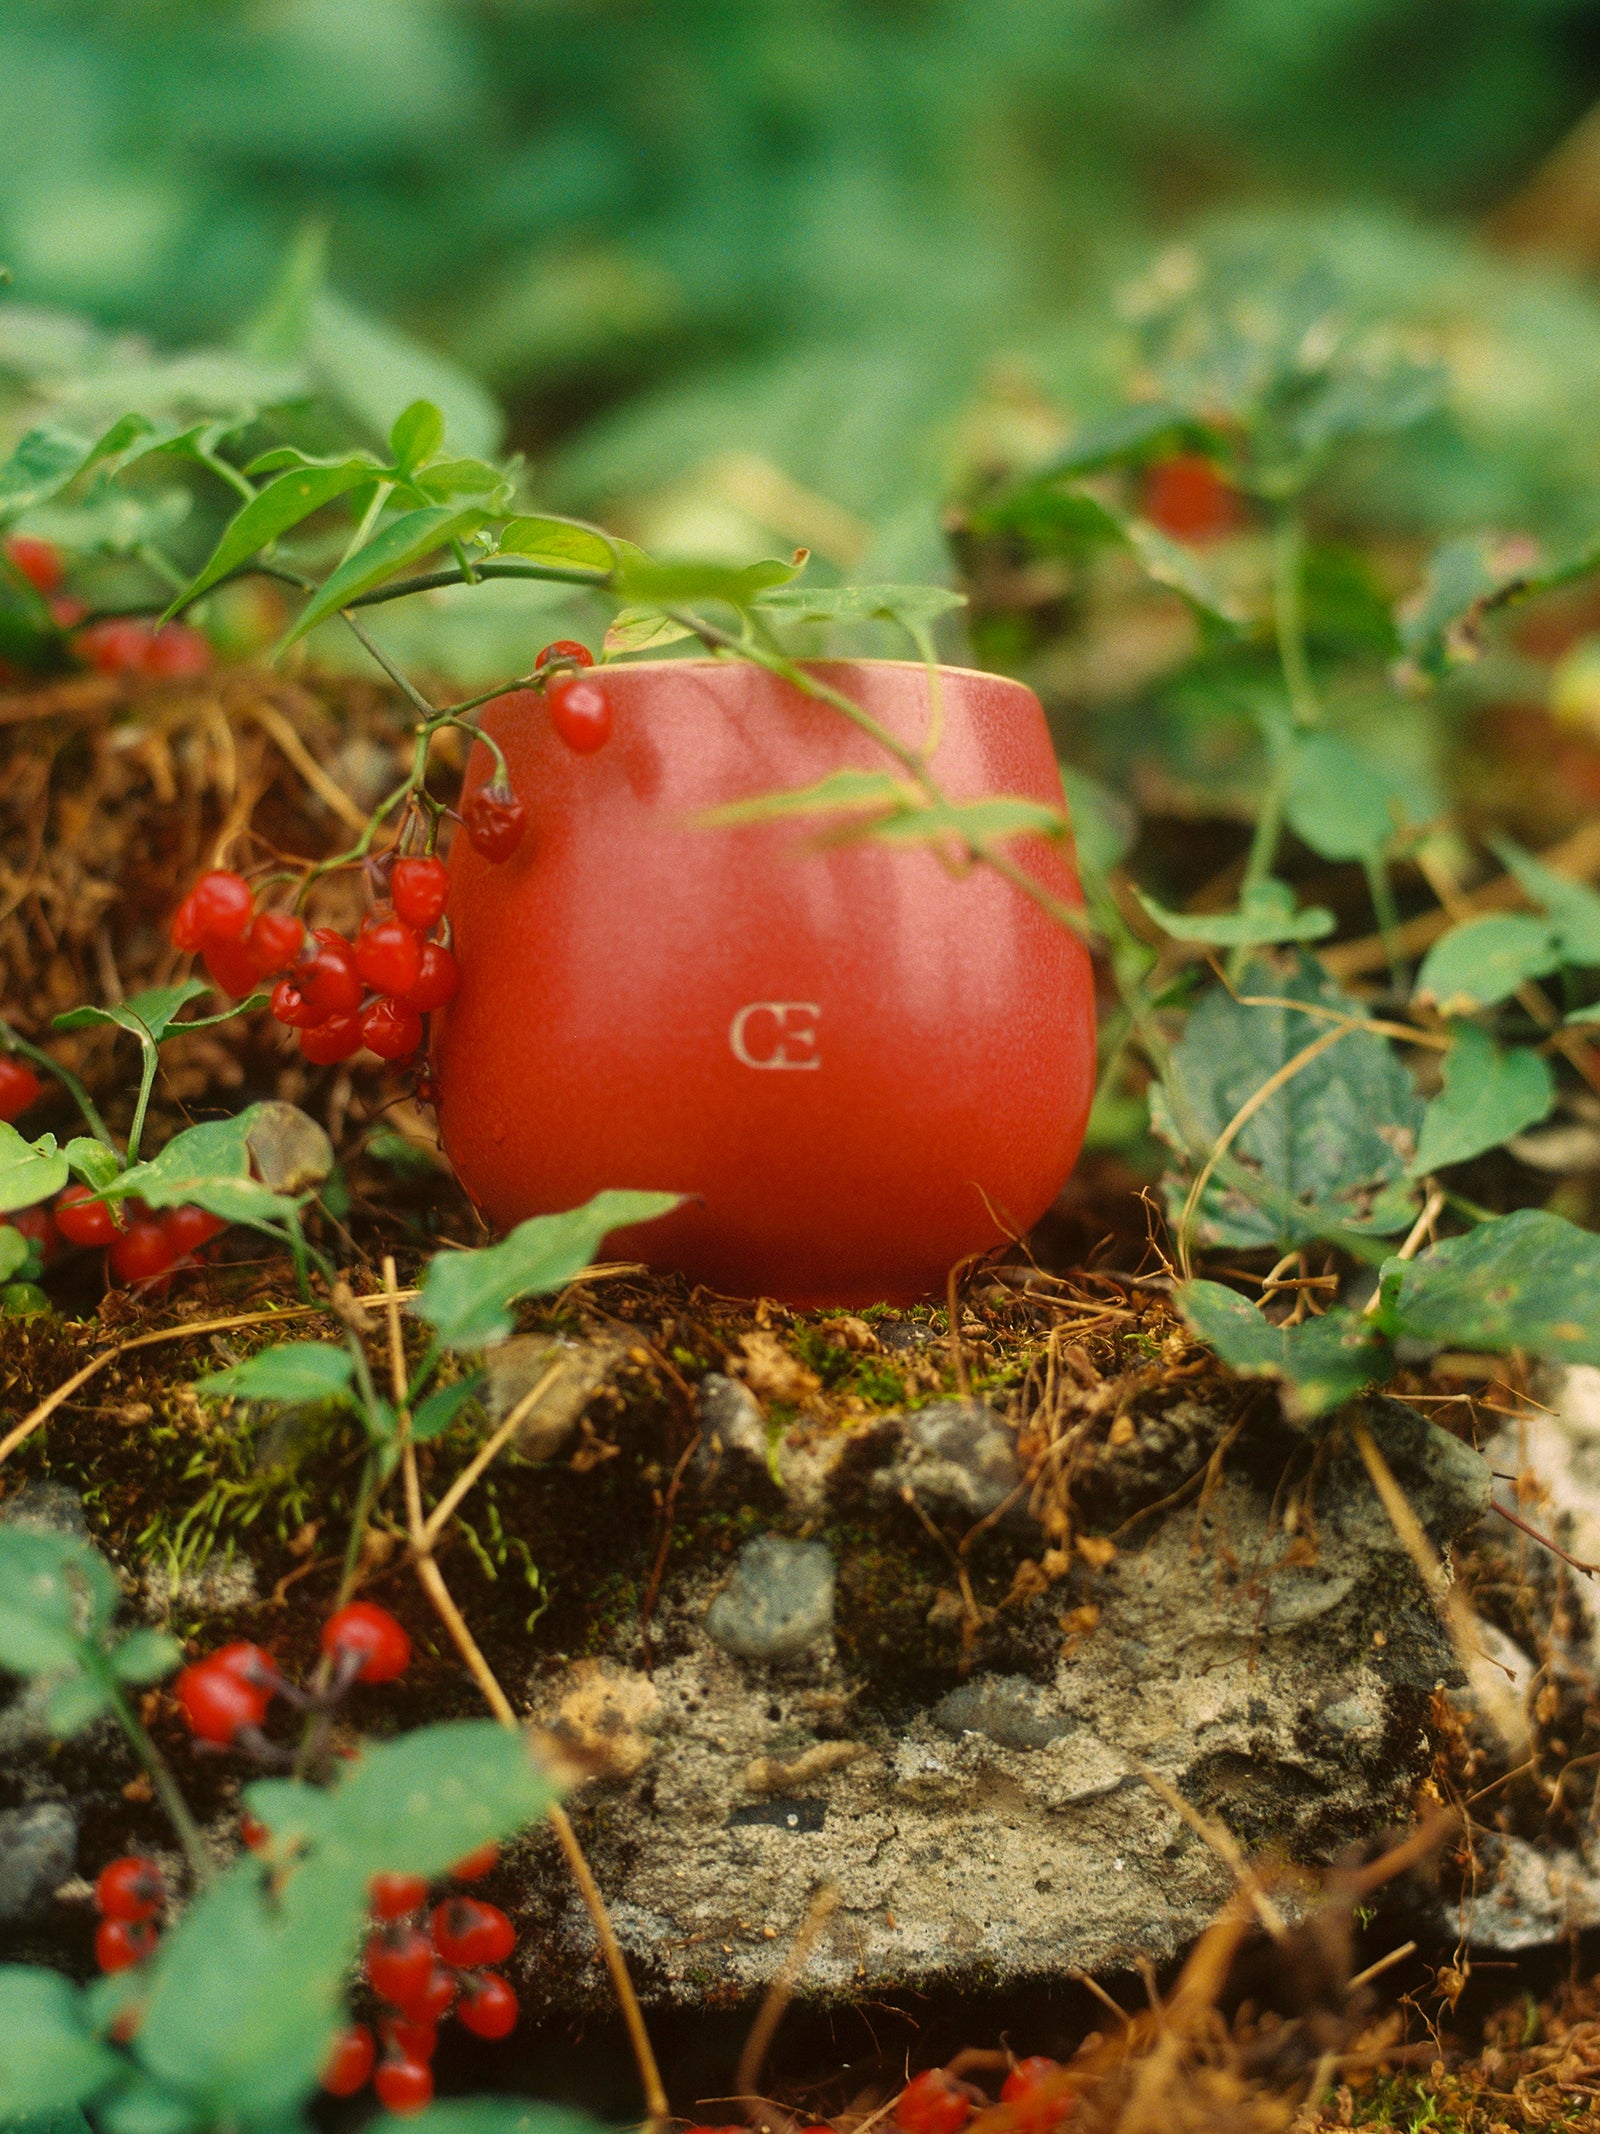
column 776, row 1033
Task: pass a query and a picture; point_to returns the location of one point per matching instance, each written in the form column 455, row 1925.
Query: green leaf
column 1325, row 1153
column 417, row 434
column 146, row 1015
column 1320, row 1364
column 899, row 814
column 290, row 1371
column 642, row 630
column 282, row 505
column 1169, row 563
column 1574, row 908
column 1529, row 1280
column 914, row 607
column 145, row 1656
column 459, row 477
column 41, row 464
column 1268, row 916
column 467, row 1296
column 433, row 1416
column 1341, row 803
column 1464, row 579
column 200, row 1155
column 1479, row 963
column 14, row 1250
column 1488, row 1096
column 1152, row 430
column 92, row 1161
column 499, row 2115
column 406, row 541
column 416, row 1804
column 845, row 792
column 49, row 2059
column 974, row 822
column 57, row 1593
column 641, row 581
column 565, row 543
column 30, row 1171
column 75, row 1701
column 1103, row 824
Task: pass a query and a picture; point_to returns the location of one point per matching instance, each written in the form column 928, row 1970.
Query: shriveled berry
column 119, row 1944
column 326, row 1044
column 186, row 930
column 1187, row 498
column 328, row 977
column 564, row 648
column 349, row 2063
column 83, row 1220
column 388, row 955
column 176, row 652
column 580, row 712
column 400, row 1962
column 232, row 967
column 391, row 1029
column 223, row 905
column 392, row 1896
column 475, row 1865
column 275, row 939
column 420, row 890
column 363, row 1631
column 493, row 818
column 1028, row 2089
column 141, row 1252
column 404, row 2085
column 933, row 2103
column 118, row 645
column 467, row 1932
column 130, row 1889
column 488, row 2005
column 291, row 1007
column 19, row 1087
column 438, row 981
column 38, row 561
column 187, row 1228
column 410, row 2037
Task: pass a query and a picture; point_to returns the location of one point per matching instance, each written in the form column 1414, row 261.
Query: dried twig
column 764, row 2029
column 1223, row 1843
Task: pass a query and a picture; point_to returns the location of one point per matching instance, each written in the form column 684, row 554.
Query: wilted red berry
column 350, row 2062
column 391, row 1029
column 223, row 905
column 488, row 2005
column 19, row 1087
column 420, row 890
column 253, row 1834
column 276, row 939
column 933, row 2103
column 369, row 1633
column 388, row 955
column 580, row 712
column 493, row 818
column 468, row 1933
column 404, row 2085
column 83, row 1220
column 326, row 1044
column 186, row 930
column 392, row 1896
column 438, row 981
column 142, row 1251
column 37, row 560
column 232, row 967
column 119, row 1944
column 1027, row 2089
column 130, row 1889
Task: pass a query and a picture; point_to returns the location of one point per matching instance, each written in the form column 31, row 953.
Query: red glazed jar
column 861, row 1065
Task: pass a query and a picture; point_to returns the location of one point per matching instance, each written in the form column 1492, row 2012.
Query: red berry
column 232, row 967
column 349, row 2063
column 118, row 645
column 250, row 1664
column 493, row 818
column 328, row 978
column 933, row 2103
column 141, row 1252
column 19, row 1087
column 38, row 562
column 564, row 648
column 392, row 1896
column 289, row 1005
column 130, row 1889
column 176, row 652
column 433, row 1997
column 38, row 1227
column 187, row 1228
column 488, row 2005
column 420, row 889
column 186, row 930
column 1187, row 498
column 65, row 612
column 119, row 1944
column 467, row 1932
column 388, row 955
column 391, row 1029
column 326, row 1044
column 438, row 982
column 222, row 905
column 217, row 1700
column 369, row 1633
column 253, row 1835
column 276, row 939
column 477, row 1864
column 404, row 2085
column 580, row 712
column 400, row 1963
column 409, row 2037
column 83, row 1220
column 1036, row 2105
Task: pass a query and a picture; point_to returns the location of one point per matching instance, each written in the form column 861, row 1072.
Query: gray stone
column 565, row 1374
column 1526, row 1898
column 957, row 1457
column 733, row 1431
column 1007, row 1708
column 38, row 1846
column 47, row 1507
column 778, row 1602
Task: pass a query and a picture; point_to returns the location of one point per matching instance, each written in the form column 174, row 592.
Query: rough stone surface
column 733, row 1433
column 957, row 1456
column 996, row 1829
column 778, row 1602
column 38, row 1846
column 47, row 1507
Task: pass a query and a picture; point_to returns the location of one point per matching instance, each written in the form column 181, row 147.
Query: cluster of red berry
column 118, row 644
column 936, row 2102
column 142, row 1244
column 421, row 1973
column 337, row 993
column 493, row 818
column 227, row 1695
column 127, row 1895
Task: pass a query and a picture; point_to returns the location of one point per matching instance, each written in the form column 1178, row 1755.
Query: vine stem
column 166, row 1786
column 432, row 1582
column 65, row 1076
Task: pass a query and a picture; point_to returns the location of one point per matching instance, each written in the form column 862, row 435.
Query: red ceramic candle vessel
column 860, row 1063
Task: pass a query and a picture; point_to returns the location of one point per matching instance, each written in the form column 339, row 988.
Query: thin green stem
column 1387, row 913
column 65, row 1076
column 147, row 1083
column 1288, row 617
column 413, row 695
column 381, row 493
column 360, row 1514
column 166, row 1786
column 231, row 475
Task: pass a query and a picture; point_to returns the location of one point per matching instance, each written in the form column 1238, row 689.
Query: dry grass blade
column 1223, row 1843
column 823, row 1905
